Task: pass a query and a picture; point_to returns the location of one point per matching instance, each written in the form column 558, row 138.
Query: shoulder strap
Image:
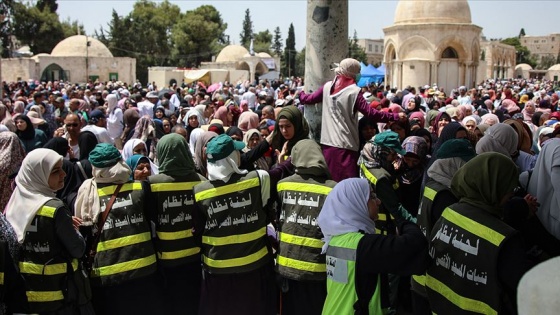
column 82, row 170
column 104, row 215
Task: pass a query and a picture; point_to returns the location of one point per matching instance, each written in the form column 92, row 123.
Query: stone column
column 327, row 43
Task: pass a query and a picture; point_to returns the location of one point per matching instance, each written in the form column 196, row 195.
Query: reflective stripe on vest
column 300, row 240
column 124, row 266
column 169, row 236
column 124, row 241
column 1, row 278
column 372, row 177
column 227, row 189
column 46, row 211
column 429, row 193
column 44, row 296
column 179, row 253
column 303, row 187
column 173, row 186
column 301, row 265
column 109, row 190
column 473, row 226
column 47, row 270
column 460, row 301
column 234, row 239
column 235, row 262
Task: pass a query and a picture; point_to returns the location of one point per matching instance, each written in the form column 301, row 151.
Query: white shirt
column 100, row 133
column 251, row 99
column 115, row 124
column 146, row 108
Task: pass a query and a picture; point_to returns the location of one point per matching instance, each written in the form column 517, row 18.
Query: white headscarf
column 195, row 134
column 32, row 190
column 128, row 151
column 499, row 138
column 194, row 112
column 346, row 210
column 224, row 168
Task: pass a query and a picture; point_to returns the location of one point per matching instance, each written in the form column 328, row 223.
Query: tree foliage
column 263, row 42
column 356, row 51
column 6, row 9
column 289, row 68
column 159, row 34
column 247, row 31
column 50, row 5
column 521, row 32
column 277, row 42
column 523, row 55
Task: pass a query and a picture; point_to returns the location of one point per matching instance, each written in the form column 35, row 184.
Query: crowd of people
column 120, row 199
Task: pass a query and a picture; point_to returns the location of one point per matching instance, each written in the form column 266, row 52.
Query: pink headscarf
column 510, row 106
column 419, row 116
column 395, row 108
column 528, row 111
column 248, row 120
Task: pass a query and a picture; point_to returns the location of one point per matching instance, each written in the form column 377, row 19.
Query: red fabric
column 340, row 83
column 342, row 163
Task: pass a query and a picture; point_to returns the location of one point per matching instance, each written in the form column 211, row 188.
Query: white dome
column 523, row 66
column 232, row 53
column 433, row 12
column 556, row 67
column 76, row 46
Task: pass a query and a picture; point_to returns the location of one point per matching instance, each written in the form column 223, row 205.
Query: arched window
column 449, row 53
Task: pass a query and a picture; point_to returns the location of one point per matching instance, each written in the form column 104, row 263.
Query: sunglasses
column 71, row 125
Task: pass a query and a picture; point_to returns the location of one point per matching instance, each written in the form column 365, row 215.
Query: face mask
column 358, row 77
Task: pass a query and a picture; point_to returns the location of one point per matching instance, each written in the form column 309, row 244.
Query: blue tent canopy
column 381, row 69
column 370, row 75
column 370, row 71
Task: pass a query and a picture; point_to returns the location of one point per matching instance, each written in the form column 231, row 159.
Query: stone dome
column 432, row 12
column 264, row 55
column 76, row 46
column 523, row 66
column 232, row 53
column 556, row 67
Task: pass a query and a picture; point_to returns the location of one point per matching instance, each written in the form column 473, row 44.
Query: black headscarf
column 86, row 142
column 449, row 132
column 235, row 131
column 58, row 145
column 29, row 132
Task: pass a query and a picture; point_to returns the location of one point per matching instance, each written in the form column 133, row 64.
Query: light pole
column 87, row 59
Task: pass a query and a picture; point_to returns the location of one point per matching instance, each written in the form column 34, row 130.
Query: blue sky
column 499, row 19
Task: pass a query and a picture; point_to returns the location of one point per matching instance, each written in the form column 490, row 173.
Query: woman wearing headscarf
column 87, row 142
column 248, row 120
column 139, row 166
column 193, row 119
column 528, row 111
column 376, row 165
column 490, row 119
column 300, row 263
column 73, row 178
column 137, row 146
column 11, row 156
column 476, row 256
column 238, row 277
column 200, row 149
column 500, row 138
column 543, row 184
column 253, row 140
column 357, row 258
column 437, row 196
column 367, row 129
column 178, row 251
column 411, row 169
column 441, row 120
column 124, row 266
column 470, row 123
column 115, row 122
column 341, row 101
column 453, row 130
column 19, row 107
column 130, row 118
column 145, row 130
column 290, row 127
column 6, row 118
column 419, row 117
column 30, row 137
column 50, row 242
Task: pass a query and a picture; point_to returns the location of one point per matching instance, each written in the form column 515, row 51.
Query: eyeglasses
column 72, row 125
column 372, row 195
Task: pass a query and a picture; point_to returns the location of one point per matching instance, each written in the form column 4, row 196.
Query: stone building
column 75, row 59
column 547, row 46
column 432, row 42
column 373, row 49
column 497, row 60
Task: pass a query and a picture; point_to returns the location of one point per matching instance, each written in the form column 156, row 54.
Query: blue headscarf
column 133, row 162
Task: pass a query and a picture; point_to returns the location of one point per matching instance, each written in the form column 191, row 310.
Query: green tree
column 521, row 32
column 356, row 51
column 41, row 30
column 290, row 53
column 247, row 30
column 71, row 28
column 50, row 5
column 523, row 55
column 300, row 62
column 263, row 42
column 6, row 9
column 198, row 35
column 277, row 43
column 547, row 62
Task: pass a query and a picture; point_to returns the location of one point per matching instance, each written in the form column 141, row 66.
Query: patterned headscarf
column 375, row 156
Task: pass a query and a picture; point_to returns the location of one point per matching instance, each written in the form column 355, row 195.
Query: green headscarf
column 301, row 128
column 485, row 180
column 174, row 155
column 308, row 159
